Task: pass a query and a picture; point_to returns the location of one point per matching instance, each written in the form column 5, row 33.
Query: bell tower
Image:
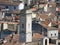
column 26, row 26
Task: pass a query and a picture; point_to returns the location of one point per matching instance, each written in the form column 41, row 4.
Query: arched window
column 46, row 42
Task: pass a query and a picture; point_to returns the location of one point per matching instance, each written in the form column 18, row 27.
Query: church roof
column 37, row 36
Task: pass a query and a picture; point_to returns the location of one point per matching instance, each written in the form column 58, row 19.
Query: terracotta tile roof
column 16, row 37
column 9, row 22
column 8, row 2
column 59, row 30
column 49, row 28
column 53, row 4
column 52, row 14
column 44, row 4
column 8, row 43
column 52, row 28
column 14, row 40
column 45, row 22
column 44, row 25
column 17, row 43
column 15, row 12
column 56, row 22
column 8, row 38
column 44, row 16
column 52, row 44
column 3, row 0
column 37, row 36
column 17, row 17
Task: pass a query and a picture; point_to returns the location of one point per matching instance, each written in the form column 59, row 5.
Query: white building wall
column 33, row 15
column 5, row 26
column 29, row 27
column 29, row 2
column 49, row 24
column 45, row 38
column 46, row 7
column 28, row 23
column 56, row 42
column 26, row 27
column 52, row 33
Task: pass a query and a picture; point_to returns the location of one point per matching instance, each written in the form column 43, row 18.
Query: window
column 55, row 34
column 22, row 25
column 57, row 0
column 51, row 34
column 7, row 14
column 11, row 27
column 46, row 42
column 58, row 13
column 14, row 7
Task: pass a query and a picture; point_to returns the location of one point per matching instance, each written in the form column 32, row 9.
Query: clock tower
column 26, row 26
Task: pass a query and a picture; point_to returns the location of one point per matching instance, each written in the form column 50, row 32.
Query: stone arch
column 46, row 41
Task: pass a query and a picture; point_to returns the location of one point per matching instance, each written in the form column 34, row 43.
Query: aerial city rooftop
column 29, row 22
